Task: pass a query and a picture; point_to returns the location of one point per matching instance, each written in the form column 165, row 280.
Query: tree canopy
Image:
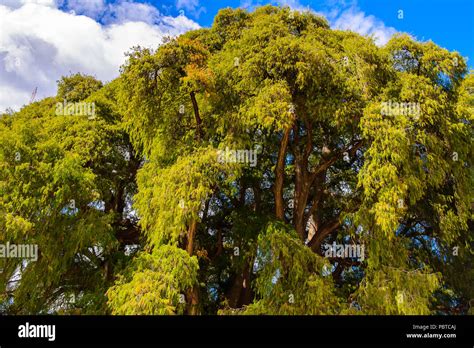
column 137, row 211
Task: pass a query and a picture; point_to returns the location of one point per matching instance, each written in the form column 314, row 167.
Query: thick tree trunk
column 280, row 176
column 303, row 183
column 193, row 301
column 191, row 235
column 247, row 294
column 302, row 186
column 241, row 293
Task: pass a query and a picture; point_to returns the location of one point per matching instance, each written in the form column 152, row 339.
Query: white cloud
column 188, row 4
column 192, row 6
column 355, row 20
column 118, row 12
column 90, row 8
column 19, row 3
column 40, row 43
column 130, row 11
column 293, row 4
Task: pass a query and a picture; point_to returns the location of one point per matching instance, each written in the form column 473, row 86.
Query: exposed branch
column 325, row 230
column 196, row 116
column 280, row 175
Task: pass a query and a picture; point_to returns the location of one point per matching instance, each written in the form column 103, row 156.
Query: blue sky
column 42, row 40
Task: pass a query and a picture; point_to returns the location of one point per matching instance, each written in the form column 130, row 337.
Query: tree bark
column 322, row 233
column 196, row 116
column 303, row 182
column 191, row 235
column 280, row 176
column 241, row 293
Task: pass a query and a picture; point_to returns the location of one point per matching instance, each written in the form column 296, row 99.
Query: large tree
column 356, row 144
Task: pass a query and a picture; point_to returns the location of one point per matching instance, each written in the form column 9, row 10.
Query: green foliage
column 154, row 283
column 390, row 285
column 51, row 189
column 170, row 198
column 291, row 279
column 77, row 87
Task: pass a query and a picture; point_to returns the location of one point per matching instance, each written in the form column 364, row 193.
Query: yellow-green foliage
column 154, row 283
column 291, row 278
column 171, row 197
